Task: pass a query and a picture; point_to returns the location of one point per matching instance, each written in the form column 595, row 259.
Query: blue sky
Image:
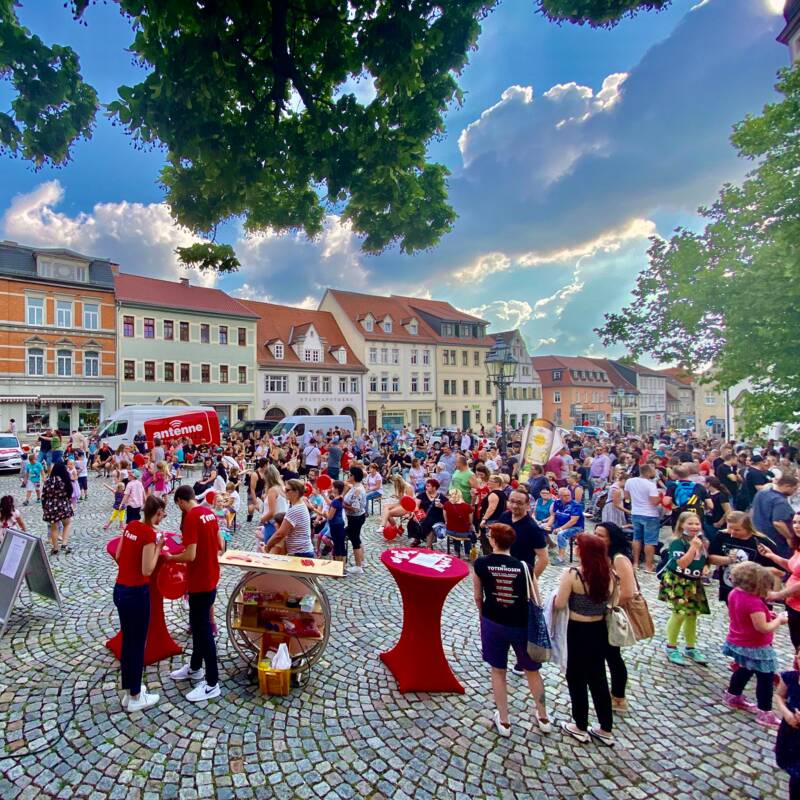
column 572, row 147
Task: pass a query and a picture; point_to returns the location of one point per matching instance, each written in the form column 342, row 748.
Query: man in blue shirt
column 772, row 514
column 568, row 521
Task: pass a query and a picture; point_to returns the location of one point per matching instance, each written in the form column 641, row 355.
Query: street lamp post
column 620, row 395
column 501, row 367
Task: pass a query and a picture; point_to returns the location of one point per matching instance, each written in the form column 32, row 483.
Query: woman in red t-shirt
column 137, row 554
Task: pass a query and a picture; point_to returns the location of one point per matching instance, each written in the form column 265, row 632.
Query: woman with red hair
column 586, row 591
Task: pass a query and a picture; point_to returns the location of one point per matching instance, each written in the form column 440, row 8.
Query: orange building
column 57, row 339
column 575, row 390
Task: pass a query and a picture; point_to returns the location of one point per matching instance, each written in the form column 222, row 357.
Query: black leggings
column 764, row 686
column 586, row 672
column 618, row 671
column 353, row 530
column 794, row 626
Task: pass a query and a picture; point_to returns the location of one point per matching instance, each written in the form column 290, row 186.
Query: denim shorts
column 646, row 529
column 495, row 641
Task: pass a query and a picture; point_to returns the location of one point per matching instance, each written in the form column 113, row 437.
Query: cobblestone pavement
column 349, row 733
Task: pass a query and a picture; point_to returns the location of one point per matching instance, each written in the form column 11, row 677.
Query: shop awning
column 20, row 399
column 72, row 400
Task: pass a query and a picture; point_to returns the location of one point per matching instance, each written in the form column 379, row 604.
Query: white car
column 11, row 453
column 436, row 435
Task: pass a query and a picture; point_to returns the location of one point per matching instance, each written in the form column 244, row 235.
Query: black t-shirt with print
column 505, row 593
column 744, row 550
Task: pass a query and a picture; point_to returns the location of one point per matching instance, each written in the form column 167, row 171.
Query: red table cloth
column 417, row 661
column 159, row 644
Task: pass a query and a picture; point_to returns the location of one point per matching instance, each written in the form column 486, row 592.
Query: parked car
column 11, row 452
column 247, row 426
column 591, row 430
column 436, row 434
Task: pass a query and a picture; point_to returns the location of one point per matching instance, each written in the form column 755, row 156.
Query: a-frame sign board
column 23, row 557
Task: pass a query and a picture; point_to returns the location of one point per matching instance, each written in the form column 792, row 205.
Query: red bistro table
column 417, row 661
column 159, row 644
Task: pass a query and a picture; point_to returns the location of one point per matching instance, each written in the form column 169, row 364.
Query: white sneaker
column 142, row 702
column 203, row 692
column 503, row 730
column 186, row 673
column 356, row 570
column 126, row 697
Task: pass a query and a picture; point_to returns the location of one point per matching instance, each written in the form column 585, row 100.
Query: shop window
column 37, row 417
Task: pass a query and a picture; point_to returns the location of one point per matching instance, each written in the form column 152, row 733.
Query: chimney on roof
column 114, row 269
column 184, row 281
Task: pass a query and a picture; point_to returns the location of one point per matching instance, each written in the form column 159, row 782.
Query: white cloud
column 483, row 267
column 247, row 292
column 504, row 313
column 141, row 238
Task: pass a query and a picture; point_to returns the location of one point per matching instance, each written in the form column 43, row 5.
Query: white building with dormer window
column 305, row 365
column 399, row 350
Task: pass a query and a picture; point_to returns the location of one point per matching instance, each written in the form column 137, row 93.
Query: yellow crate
column 273, row 681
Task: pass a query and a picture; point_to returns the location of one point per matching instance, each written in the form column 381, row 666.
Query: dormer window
column 369, row 323
column 340, row 354
column 62, row 269
column 311, row 355
column 387, row 324
column 277, row 350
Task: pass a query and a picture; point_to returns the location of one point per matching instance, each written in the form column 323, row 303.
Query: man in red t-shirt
column 203, row 544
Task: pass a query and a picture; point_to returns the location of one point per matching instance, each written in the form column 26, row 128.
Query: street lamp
column 501, row 367
column 620, row 395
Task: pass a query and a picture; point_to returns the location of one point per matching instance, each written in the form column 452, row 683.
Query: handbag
column 639, row 614
column 540, row 647
column 620, row 630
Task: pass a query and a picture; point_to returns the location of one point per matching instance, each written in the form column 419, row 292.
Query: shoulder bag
column 620, row 630
column 639, row 614
column 539, row 644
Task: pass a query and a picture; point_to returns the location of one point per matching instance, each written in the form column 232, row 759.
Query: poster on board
column 539, row 441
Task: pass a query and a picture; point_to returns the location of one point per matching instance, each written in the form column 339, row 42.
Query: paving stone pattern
column 349, row 733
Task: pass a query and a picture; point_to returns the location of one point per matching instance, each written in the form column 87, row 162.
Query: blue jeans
column 565, row 535
column 204, row 648
column 374, row 495
column 133, row 607
column 646, row 529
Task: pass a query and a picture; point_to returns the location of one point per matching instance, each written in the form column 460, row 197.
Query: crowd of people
column 684, row 510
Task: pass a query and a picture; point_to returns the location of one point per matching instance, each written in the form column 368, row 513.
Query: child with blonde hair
column 682, row 586
column 749, row 642
column 161, row 480
column 118, row 512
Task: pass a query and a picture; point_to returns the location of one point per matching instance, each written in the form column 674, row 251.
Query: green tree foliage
column 727, row 300
column 247, row 98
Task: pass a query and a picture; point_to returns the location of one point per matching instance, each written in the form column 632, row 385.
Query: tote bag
column 639, row 614
column 620, row 630
column 539, row 645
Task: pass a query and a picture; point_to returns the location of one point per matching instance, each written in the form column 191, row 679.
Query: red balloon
column 309, row 490
column 324, row 482
column 391, row 532
column 172, row 581
column 514, row 483
column 210, row 497
column 408, row 503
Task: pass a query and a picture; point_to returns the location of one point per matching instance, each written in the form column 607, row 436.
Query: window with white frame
column 426, row 383
column 711, row 399
column 314, row 384
column 367, row 323
column 413, row 327
column 277, row 350
column 342, row 385
column 556, row 397
column 387, row 325
column 384, row 383
column 62, row 270
column 326, row 385
column 414, row 383
column 373, row 383
column 311, row 354
column 91, row 364
column 64, row 363
column 35, row 361
column 448, row 329
column 426, row 358
column 353, row 385
column 384, row 355
column 302, row 384
column 276, row 384
column 395, row 383
column 414, row 356
column 64, row 313
column 91, row 316
column 446, row 358
column 34, row 310
column 373, row 355
column 395, row 355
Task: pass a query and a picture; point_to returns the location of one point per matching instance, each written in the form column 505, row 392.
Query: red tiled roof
column 545, row 364
column 356, row 306
column 618, row 380
column 282, row 323
column 677, row 373
column 171, row 294
column 438, row 308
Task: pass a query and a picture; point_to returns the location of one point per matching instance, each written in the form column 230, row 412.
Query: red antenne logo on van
column 200, row 426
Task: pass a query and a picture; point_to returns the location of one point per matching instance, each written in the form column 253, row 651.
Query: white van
column 126, row 422
column 324, row 422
